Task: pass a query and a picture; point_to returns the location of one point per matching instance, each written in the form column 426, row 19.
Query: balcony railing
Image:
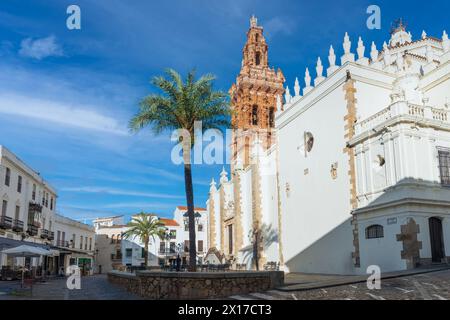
column 168, row 251
column 116, row 256
column 44, row 233
column 17, row 225
column 5, row 222
column 62, row 243
column 32, row 230
column 402, row 108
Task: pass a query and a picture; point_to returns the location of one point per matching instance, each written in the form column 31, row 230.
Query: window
column 7, row 177
column 58, row 237
column 73, row 240
column 33, row 193
column 90, row 244
column 186, row 227
column 173, row 234
column 51, row 203
column 257, row 58
column 271, row 117
column 162, row 246
column 17, row 215
column 200, row 227
column 63, row 236
column 4, row 207
column 81, row 242
column 200, row 246
column 172, row 247
column 128, row 252
column 444, row 167
column 85, row 243
column 46, row 200
column 19, row 184
column 186, row 245
column 374, row 231
column 255, row 115
column 142, row 252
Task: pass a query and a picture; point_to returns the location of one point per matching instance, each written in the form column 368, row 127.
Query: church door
column 436, row 239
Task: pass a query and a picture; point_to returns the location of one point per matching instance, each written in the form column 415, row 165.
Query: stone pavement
column 433, row 285
column 94, row 287
column 304, row 281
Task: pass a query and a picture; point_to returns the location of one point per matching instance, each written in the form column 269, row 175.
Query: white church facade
column 351, row 170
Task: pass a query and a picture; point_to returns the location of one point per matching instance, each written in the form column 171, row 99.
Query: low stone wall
column 196, row 285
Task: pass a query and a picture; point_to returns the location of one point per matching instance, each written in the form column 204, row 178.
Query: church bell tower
column 254, row 97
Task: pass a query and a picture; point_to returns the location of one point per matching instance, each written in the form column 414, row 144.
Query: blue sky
column 66, row 96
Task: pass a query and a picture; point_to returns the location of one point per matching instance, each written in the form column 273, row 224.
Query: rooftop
column 195, row 208
column 169, row 222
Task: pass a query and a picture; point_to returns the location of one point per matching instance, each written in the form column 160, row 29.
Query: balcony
column 403, row 110
column 62, row 243
column 167, row 251
column 116, row 256
column 44, row 234
column 5, row 222
column 17, row 225
column 32, row 230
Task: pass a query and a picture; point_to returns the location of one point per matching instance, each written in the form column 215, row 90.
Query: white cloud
column 140, row 205
column 40, row 48
column 59, row 112
column 122, row 192
column 278, row 25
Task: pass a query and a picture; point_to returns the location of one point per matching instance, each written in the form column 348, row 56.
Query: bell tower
column 254, row 97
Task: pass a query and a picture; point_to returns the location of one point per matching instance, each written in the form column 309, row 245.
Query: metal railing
column 44, row 233
column 5, row 222
column 32, row 230
column 17, row 225
column 62, row 243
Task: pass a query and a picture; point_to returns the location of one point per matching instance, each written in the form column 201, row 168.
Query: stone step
column 243, row 297
column 281, row 294
column 263, row 296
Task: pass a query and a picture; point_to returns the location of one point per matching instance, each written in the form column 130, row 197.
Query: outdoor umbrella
column 26, row 251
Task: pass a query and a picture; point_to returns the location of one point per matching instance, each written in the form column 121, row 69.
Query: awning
column 26, row 251
column 6, row 243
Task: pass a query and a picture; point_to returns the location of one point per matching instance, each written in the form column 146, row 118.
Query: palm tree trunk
column 190, row 205
column 146, row 254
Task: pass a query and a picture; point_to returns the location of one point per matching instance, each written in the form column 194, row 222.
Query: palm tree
column 180, row 105
column 144, row 226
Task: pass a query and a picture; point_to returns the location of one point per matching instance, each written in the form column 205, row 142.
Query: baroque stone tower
column 254, row 97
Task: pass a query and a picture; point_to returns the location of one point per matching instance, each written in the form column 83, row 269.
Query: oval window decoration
column 309, row 141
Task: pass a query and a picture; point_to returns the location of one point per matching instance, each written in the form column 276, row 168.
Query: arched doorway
column 436, row 239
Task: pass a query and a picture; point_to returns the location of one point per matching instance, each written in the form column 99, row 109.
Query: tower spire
column 253, row 21
column 254, row 96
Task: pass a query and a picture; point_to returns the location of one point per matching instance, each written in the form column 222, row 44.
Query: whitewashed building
column 75, row 242
column 359, row 171
column 116, row 252
column 28, row 205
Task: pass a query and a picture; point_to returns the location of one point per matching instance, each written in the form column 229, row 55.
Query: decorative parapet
column 399, row 110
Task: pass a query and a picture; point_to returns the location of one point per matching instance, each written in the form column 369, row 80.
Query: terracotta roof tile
column 169, row 222
column 195, row 208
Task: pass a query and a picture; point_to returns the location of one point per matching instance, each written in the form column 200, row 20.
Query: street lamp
column 167, row 239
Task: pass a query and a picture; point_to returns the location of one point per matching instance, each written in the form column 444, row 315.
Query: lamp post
column 167, row 239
